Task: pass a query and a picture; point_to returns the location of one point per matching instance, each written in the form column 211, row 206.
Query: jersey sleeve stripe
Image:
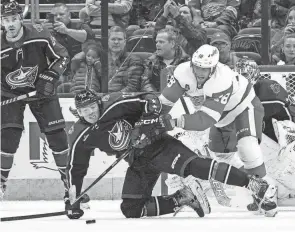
column 43, row 40
column 231, row 115
column 165, row 101
column 283, row 105
column 214, row 105
column 212, row 113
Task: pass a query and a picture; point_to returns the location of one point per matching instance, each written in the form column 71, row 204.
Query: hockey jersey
column 111, row 134
column 24, row 60
column 276, row 103
column 227, row 94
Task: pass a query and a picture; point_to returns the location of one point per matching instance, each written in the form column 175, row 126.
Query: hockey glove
column 149, row 129
column 46, row 83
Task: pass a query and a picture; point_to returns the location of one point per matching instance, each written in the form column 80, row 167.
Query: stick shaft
column 18, row 98
column 33, row 216
column 125, row 154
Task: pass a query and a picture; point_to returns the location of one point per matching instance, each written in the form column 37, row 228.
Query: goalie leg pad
column 250, row 152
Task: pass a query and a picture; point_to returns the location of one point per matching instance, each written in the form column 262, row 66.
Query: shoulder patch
column 275, row 87
column 38, row 27
column 105, row 98
column 53, row 40
column 71, row 130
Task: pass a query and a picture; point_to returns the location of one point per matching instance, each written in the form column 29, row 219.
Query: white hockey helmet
column 206, row 56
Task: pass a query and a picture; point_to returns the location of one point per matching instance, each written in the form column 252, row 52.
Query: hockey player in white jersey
column 230, row 106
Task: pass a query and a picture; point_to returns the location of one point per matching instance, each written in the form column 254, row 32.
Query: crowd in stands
column 146, row 36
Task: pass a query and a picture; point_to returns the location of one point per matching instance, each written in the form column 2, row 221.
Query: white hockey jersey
column 227, row 94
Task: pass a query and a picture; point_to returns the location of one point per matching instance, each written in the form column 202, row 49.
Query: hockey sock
column 60, row 161
column 160, row 205
column 225, row 173
column 6, row 165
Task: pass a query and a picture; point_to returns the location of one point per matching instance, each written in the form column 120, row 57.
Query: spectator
column 279, row 10
column 144, row 11
column 287, row 56
column 222, row 42
column 191, row 36
column 168, row 53
column 118, row 13
column 86, row 69
column 69, row 34
column 125, row 69
column 221, row 14
column 246, row 13
column 278, row 39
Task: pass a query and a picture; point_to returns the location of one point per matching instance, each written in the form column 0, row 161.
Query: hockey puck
column 90, row 221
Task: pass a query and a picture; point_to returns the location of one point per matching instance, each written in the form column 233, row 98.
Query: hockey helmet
column 248, row 68
column 10, row 8
column 85, row 98
column 206, row 56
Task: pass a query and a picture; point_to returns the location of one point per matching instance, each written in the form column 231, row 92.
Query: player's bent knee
column 132, row 208
column 250, row 152
column 57, row 140
column 10, row 138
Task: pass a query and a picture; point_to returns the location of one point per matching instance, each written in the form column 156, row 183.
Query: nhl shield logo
column 22, row 77
column 119, row 136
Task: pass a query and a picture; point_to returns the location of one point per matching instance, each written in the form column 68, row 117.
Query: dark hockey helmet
column 248, row 68
column 10, row 8
column 86, row 97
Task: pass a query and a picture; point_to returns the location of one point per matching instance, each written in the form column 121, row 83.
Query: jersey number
column 223, row 99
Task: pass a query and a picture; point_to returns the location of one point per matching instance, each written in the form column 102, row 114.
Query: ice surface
column 109, row 218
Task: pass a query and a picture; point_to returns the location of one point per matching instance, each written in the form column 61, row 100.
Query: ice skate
column 186, row 197
column 265, row 197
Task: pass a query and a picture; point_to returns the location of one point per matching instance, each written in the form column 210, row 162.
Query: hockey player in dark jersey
column 117, row 122
column 276, row 102
column 31, row 59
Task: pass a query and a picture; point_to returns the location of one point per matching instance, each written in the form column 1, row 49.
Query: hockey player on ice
column 31, row 59
column 231, row 109
column 120, row 122
column 277, row 105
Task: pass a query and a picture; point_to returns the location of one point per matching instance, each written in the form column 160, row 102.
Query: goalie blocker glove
column 150, row 128
column 46, row 83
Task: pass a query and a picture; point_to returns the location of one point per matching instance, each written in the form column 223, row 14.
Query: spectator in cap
column 222, row 42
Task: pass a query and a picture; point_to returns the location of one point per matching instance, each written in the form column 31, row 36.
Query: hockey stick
column 124, row 155
column 33, row 216
column 18, row 98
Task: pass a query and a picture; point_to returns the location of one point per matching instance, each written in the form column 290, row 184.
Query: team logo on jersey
column 22, row 77
column 119, row 136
